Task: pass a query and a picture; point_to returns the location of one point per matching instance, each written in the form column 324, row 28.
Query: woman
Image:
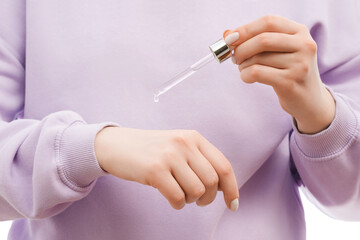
column 76, row 89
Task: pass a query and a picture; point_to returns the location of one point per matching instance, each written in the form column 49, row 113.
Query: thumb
column 230, row 36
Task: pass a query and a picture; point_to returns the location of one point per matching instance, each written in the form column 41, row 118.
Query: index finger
column 225, row 172
column 270, row 23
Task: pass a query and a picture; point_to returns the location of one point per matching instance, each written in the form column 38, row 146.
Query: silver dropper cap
column 220, row 50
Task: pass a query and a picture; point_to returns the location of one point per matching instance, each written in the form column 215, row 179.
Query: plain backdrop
column 319, row 226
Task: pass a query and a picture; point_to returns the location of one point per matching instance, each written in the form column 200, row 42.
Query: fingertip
column 177, row 206
column 234, row 205
column 200, row 204
column 232, row 200
column 232, row 38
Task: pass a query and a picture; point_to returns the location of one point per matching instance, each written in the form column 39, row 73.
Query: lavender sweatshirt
column 69, row 68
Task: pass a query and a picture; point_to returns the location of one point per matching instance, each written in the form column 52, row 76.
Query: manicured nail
column 234, row 205
column 232, row 38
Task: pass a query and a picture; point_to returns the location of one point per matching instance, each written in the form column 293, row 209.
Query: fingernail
column 232, row 38
column 234, row 205
column 233, row 59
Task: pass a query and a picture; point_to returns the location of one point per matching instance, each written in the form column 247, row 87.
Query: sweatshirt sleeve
column 46, row 164
column 328, row 163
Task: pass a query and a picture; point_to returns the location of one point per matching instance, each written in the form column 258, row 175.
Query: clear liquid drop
column 156, row 97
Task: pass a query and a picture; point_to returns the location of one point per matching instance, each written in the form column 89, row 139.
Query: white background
column 319, row 226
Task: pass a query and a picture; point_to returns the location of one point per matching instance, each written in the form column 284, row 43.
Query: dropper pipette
column 219, row 50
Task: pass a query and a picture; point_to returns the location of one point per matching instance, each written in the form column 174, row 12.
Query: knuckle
column 213, row 181
column 254, row 71
column 178, row 199
column 225, row 169
column 311, row 46
column 304, row 67
column 194, row 134
column 198, row 192
column 179, row 138
column 270, row 21
column 301, row 70
column 304, row 28
column 194, row 137
column 245, row 76
column 184, row 138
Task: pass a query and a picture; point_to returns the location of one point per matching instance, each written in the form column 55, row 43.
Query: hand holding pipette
column 276, row 51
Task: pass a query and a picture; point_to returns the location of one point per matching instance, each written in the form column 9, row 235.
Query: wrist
column 321, row 119
column 102, row 146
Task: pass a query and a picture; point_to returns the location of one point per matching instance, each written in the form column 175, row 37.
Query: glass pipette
column 182, row 76
column 219, row 50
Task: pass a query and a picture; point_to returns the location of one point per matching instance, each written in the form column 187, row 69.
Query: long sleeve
column 328, row 162
column 46, row 164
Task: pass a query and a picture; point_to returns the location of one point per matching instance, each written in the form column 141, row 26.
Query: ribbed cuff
column 78, row 166
column 332, row 140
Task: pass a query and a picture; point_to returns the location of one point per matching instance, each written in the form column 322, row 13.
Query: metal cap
column 220, row 50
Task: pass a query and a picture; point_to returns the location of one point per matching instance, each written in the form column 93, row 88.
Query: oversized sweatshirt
column 70, row 68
